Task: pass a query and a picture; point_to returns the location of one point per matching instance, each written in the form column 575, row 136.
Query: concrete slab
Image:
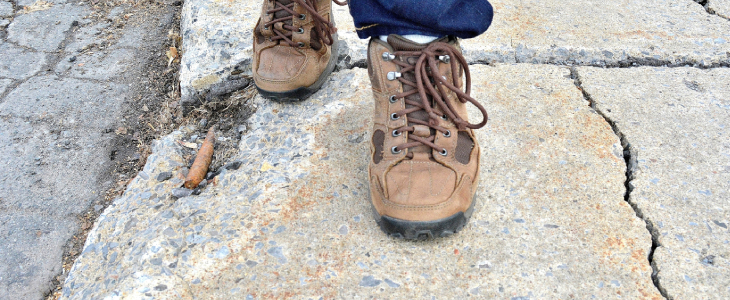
column 6, row 9
column 59, row 154
column 69, row 107
column 217, row 41
column 676, row 121
column 673, row 32
column 42, row 238
column 44, row 30
column 294, row 220
column 100, row 65
column 25, row 63
column 52, row 151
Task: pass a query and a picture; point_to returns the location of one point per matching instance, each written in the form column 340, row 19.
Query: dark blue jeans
column 461, row 18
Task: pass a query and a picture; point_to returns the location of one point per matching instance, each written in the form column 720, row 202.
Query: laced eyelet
column 393, row 75
column 302, row 16
column 394, row 116
column 266, row 27
column 443, row 152
column 301, row 30
column 395, row 150
column 445, row 58
column 447, row 133
column 444, row 117
column 387, row 56
column 396, row 133
column 301, row 45
column 392, row 99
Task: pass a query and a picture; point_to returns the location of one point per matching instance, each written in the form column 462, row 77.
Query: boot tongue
column 283, row 13
column 400, row 43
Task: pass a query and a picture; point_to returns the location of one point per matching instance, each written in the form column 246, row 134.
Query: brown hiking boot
column 295, row 48
column 425, row 158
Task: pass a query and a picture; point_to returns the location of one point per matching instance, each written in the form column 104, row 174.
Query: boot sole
column 424, row 230
column 302, row 93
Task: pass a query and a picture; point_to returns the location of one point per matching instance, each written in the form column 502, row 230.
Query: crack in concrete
column 627, row 64
column 629, row 155
column 52, row 58
column 706, row 5
column 630, row 63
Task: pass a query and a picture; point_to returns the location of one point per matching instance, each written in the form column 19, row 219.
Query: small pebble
column 144, row 175
column 75, row 23
column 203, row 122
column 209, row 176
column 164, row 176
column 203, row 184
column 241, row 128
column 196, row 191
column 72, row 59
column 177, row 3
column 233, row 166
column 181, row 192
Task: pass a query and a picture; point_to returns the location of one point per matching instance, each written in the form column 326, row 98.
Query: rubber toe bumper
column 423, row 230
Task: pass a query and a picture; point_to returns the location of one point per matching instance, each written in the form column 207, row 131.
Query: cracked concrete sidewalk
column 605, row 171
column 69, row 73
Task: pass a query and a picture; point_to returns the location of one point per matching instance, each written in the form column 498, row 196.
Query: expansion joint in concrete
column 629, row 155
column 344, row 62
column 481, row 62
column 623, row 64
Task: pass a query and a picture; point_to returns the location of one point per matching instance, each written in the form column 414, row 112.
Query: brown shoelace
column 430, row 82
column 324, row 28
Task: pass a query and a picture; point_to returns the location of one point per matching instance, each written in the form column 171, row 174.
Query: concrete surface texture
column 604, row 33
column 63, row 85
column 605, row 167
column 677, row 122
column 295, row 218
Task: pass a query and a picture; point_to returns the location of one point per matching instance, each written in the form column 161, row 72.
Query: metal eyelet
column 302, row 16
column 301, row 45
column 392, row 99
column 445, row 58
column 444, row 117
column 387, row 56
column 396, row 133
column 394, row 116
column 393, row 75
column 444, row 152
column 447, row 133
column 301, row 30
column 395, row 150
column 266, row 27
